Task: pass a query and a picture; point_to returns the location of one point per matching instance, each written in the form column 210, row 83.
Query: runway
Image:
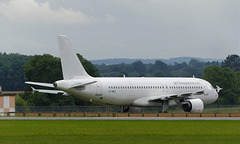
column 119, row 118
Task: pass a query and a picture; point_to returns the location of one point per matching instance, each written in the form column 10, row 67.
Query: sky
column 100, row 29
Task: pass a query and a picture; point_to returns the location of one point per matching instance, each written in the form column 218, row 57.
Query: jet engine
column 193, row 105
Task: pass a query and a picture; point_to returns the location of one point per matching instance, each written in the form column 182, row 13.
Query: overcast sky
column 101, row 29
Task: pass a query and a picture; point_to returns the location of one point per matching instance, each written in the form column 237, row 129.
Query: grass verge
column 107, row 131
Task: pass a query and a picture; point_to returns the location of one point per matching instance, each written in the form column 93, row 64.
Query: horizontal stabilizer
column 40, row 84
column 49, row 91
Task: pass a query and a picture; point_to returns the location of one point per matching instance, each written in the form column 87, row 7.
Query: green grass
column 114, row 132
column 223, row 110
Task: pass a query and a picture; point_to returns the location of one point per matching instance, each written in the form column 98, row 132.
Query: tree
column 233, row 62
column 19, row 101
column 89, row 67
column 178, row 66
column 158, row 73
column 180, row 73
column 139, row 67
column 46, row 68
column 225, row 78
column 196, row 63
column 159, row 65
column 11, row 72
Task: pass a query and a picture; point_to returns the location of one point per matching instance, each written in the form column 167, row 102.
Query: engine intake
column 193, row 105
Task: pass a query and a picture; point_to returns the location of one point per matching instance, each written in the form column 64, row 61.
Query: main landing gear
column 126, row 109
column 165, row 106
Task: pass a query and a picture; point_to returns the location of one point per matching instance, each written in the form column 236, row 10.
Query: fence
column 115, row 109
column 83, row 114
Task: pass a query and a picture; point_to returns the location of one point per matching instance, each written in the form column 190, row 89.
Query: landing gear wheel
column 124, row 109
column 165, row 106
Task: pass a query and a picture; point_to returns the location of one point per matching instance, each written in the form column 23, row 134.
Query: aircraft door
column 99, row 89
column 163, row 88
column 166, row 88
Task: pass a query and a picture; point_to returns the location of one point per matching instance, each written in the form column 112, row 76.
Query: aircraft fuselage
column 124, row 91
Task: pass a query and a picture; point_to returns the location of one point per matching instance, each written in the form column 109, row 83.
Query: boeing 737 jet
column 127, row 92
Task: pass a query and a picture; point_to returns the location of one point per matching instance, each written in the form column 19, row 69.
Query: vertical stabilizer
column 71, row 65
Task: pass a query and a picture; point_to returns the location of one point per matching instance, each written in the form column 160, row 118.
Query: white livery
column 191, row 93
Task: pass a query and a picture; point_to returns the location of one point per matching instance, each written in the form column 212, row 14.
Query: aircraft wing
column 171, row 96
column 40, row 84
column 199, row 93
column 163, row 97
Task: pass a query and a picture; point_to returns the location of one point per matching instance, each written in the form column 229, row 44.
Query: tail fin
column 71, row 65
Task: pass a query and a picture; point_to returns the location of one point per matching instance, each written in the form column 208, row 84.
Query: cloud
column 91, row 9
column 32, row 12
column 110, row 19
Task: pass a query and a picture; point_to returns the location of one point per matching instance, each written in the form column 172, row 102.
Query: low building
column 7, row 103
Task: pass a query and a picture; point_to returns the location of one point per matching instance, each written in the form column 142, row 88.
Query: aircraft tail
column 71, row 65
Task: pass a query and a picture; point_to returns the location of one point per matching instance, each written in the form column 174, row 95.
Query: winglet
column 33, row 90
column 218, row 88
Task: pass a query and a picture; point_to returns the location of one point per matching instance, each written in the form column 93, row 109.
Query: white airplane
column 191, row 93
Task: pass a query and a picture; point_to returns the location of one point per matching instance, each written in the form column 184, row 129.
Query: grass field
column 114, row 132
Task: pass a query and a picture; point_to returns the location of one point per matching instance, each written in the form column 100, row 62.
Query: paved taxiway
column 119, row 118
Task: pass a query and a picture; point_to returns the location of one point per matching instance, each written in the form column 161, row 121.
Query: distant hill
column 170, row 61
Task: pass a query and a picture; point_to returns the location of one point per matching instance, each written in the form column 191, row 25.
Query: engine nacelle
column 193, row 105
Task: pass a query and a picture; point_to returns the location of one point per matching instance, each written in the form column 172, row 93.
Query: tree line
column 226, row 76
column 11, row 71
column 158, row 69
column 15, row 69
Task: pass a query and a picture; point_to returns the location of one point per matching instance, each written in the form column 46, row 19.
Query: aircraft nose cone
column 215, row 96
